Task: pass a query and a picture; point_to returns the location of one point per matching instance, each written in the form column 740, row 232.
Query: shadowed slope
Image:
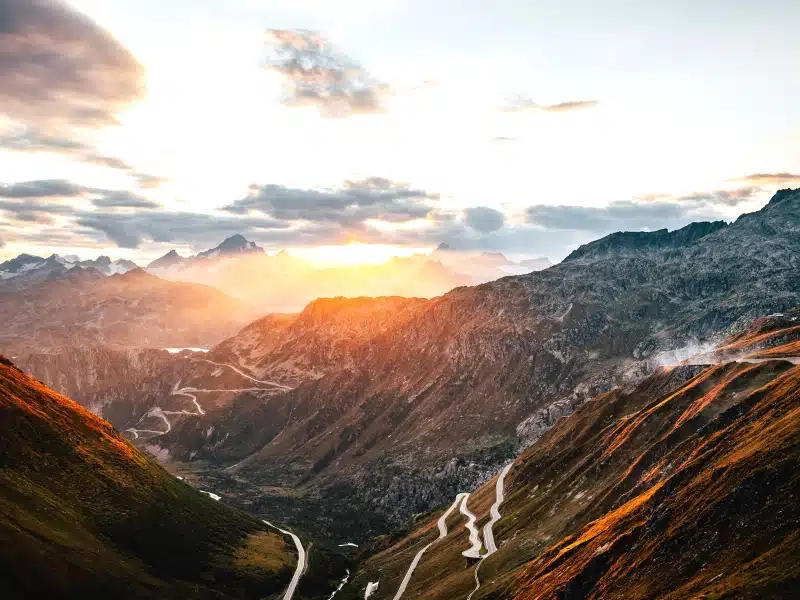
column 85, row 514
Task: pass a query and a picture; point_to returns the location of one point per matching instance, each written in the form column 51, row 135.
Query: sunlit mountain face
column 394, row 299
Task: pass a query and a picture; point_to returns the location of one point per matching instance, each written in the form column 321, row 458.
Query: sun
column 354, row 253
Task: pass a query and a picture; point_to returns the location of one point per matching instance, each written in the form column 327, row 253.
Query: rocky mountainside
column 234, row 245
column 91, row 516
column 683, row 486
column 392, row 414
column 134, row 309
column 409, row 413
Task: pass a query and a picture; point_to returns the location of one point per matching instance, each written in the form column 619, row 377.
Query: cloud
column 123, row 199
column 319, row 76
column 769, row 178
column 33, row 210
column 147, row 181
column 58, row 68
column 722, row 197
column 484, row 219
column 130, row 230
column 618, row 216
column 655, row 211
column 40, row 201
column 525, row 103
column 35, row 142
column 349, row 206
column 45, row 188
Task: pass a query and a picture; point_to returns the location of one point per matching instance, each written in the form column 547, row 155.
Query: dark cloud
column 42, row 200
column 123, row 199
column 44, row 188
column 349, row 206
column 58, row 68
column 32, row 210
column 317, row 75
column 651, row 212
column 129, row 230
column 617, row 216
column 769, row 178
column 524, row 104
column 484, row 219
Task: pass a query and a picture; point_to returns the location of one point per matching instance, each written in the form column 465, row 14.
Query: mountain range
column 392, row 405
column 26, row 269
column 284, row 282
column 637, row 403
column 134, row 309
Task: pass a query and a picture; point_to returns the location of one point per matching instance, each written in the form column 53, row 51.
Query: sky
column 131, row 127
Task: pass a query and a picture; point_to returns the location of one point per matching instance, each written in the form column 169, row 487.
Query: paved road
column 488, row 534
column 243, row 374
column 442, row 525
column 301, row 561
column 474, row 551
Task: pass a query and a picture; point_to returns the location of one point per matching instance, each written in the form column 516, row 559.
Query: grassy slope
column 85, row 514
column 712, row 515
column 683, row 486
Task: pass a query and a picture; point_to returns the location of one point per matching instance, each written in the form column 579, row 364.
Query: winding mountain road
column 488, row 534
column 243, row 374
column 442, row 525
column 190, row 392
column 301, row 561
column 474, row 551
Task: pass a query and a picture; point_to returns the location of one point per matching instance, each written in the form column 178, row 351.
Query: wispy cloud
column 526, row 104
column 34, row 142
column 318, row 75
column 40, row 201
column 769, row 178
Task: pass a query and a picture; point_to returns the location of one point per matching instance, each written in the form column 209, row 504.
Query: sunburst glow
column 355, row 253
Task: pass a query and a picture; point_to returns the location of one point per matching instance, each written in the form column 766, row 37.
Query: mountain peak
column 236, row 244
column 782, row 196
column 169, row 259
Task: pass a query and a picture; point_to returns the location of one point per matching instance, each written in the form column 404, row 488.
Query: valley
column 493, row 441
